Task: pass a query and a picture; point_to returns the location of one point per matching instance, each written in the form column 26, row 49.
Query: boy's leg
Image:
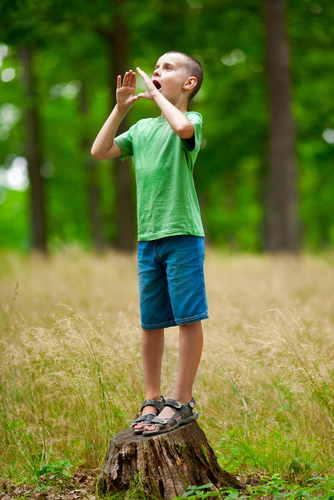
column 190, row 350
column 152, row 345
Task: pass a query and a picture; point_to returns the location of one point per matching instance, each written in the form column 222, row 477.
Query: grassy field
column 71, row 376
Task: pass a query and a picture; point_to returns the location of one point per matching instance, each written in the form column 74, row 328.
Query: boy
column 170, row 231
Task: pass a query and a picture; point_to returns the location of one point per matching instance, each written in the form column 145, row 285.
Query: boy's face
column 170, row 75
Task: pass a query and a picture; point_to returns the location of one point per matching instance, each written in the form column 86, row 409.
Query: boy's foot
column 172, row 416
column 149, row 410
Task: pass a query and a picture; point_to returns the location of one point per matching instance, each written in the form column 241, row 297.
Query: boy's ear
column 191, row 83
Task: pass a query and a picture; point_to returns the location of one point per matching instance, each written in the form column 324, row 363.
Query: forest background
column 59, row 62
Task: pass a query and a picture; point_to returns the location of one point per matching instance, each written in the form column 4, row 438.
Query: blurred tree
column 107, row 19
column 34, row 156
column 92, row 177
column 12, row 30
column 284, row 225
column 125, row 236
column 36, row 30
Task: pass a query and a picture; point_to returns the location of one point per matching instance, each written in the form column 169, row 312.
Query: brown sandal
column 169, row 424
column 159, row 405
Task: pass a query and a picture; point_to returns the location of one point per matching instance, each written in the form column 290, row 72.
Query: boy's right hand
column 125, row 93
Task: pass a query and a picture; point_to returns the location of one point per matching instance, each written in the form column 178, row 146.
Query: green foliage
column 48, row 471
column 71, row 42
column 197, row 491
column 57, row 469
column 14, row 220
column 269, row 450
column 273, row 487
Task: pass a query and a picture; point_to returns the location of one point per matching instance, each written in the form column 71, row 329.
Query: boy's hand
column 151, row 91
column 125, row 93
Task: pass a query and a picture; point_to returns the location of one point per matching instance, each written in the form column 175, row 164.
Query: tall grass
column 71, row 377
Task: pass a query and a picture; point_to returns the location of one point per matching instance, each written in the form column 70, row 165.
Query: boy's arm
column 104, row 145
column 176, row 119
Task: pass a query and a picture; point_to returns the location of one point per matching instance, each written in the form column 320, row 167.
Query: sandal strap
column 184, row 410
column 172, row 403
column 158, row 404
column 143, row 418
column 164, row 421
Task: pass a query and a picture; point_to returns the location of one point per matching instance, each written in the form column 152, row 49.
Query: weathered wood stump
column 165, row 465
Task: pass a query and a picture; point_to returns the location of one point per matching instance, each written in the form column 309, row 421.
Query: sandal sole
column 138, row 431
column 181, row 422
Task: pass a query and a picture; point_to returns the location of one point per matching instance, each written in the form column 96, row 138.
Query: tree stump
column 165, row 464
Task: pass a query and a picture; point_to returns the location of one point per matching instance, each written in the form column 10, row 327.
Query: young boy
column 170, row 231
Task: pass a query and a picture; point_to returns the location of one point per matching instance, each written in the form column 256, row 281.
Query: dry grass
column 71, row 374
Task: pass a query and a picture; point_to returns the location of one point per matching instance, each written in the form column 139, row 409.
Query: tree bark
column 92, row 181
column 164, row 465
column 34, row 157
column 124, row 218
column 284, row 226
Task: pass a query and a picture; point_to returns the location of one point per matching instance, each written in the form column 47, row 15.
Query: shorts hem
column 191, row 319
column 176, row 322
column 158, row 326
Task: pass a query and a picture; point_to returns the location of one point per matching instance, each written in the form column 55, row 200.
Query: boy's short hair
column 194, row 68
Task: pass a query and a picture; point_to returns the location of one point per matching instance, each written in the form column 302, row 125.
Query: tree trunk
column 165, row 465
column 125, row 237
column 92, row 181
column 284, row 227
column 38, row 216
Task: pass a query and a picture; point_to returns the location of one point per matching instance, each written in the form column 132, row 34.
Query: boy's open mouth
column 157, row 84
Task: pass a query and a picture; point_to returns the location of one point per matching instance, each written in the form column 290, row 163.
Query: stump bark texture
column 165, row 464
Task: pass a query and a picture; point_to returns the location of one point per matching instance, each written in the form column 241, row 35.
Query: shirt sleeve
column 197, row 121
column 124, row 142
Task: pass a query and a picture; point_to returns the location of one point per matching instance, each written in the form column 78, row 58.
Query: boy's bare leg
column 190, row 351
column 152, row 346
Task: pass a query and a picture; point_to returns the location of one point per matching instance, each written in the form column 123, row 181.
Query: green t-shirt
column 167, row 203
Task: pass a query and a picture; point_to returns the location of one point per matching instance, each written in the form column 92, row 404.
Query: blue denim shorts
column 171, row 281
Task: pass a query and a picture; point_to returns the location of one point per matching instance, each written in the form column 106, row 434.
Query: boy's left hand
column 151, row 91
